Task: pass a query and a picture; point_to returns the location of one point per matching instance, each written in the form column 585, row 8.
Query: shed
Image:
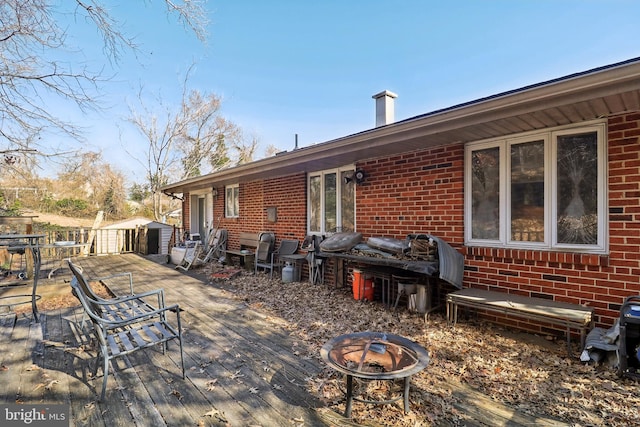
column 134, row 235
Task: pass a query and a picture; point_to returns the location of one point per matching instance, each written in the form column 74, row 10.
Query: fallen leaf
column 211, row 384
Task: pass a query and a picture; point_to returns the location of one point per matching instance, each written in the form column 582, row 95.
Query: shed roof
column 592, row 94
column 136, row 222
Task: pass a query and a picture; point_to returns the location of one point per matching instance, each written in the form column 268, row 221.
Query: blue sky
column 286, row 67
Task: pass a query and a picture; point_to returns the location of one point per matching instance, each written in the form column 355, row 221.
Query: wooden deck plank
column 135, row 391
column 22, row 374
column 240, row 369
column 264, row 361
column 56, row 388
column 7, row 321
column 77, row 365
column 243, row 384
column 183, row 402
column 229, row 368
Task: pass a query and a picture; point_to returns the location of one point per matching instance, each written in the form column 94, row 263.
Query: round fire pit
column 375, row 356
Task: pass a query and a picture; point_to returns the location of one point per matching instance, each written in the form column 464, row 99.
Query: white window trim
column 195, row 218
column 321, row 174
column 236, row 201
column 550, row 239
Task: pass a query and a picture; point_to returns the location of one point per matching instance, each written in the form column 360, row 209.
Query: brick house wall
column 286, row 194
column 416, row 192
column 423, row 191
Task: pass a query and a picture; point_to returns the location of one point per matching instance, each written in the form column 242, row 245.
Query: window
column 331, row 201
column 232, row 203
column 538, row 190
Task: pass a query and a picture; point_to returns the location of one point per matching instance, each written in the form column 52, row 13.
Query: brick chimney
column 384, row 107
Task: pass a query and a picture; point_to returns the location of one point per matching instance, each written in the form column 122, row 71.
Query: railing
column 103, row 241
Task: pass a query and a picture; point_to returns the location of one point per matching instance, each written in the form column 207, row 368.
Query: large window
column 331, row 201
column 538, row 190
column 232, row 203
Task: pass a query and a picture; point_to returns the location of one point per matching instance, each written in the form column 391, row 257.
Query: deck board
column 241, row 369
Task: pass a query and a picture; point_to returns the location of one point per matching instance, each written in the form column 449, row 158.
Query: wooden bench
column 571, row 316
column 249, row 242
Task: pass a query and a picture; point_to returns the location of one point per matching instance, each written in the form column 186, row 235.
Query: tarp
column 602, row 344
column 449, row 265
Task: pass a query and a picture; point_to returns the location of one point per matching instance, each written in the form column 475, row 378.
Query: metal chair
column 272, row 261
column 191, row 257
column 287, row 247
column 264, row 258
column 216, row 246
column 123, row 330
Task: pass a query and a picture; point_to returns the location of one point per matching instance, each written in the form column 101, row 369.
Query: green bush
column 71, row 206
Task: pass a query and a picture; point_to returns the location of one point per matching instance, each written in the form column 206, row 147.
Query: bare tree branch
column 185, row 140
column 35, row 69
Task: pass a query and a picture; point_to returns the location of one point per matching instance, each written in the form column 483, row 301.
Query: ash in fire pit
column 375, row 356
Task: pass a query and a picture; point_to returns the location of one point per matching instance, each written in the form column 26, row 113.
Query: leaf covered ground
column 533, row 377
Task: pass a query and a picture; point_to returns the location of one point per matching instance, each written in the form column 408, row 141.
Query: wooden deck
column 239, row 371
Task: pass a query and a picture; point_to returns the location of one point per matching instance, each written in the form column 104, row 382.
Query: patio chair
column 126, row 334
column 216, row 247
column 274, row 261
column 119, row 307
column 263, row 258
column 191, row 257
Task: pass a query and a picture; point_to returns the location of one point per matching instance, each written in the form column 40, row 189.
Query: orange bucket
column 362, row 286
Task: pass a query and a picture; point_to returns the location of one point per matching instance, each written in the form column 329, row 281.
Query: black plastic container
column 629, row 363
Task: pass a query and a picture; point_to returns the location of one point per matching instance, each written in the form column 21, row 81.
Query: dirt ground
column 62, row 221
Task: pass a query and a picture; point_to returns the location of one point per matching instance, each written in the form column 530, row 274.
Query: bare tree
column 89, row 178
column 188, row 140
column 34, row 67
column 205, row 134
column 161, row 134
column 271, row 150
column 245, row 151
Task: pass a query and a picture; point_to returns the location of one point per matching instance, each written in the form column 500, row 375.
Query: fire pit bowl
column 375, row 356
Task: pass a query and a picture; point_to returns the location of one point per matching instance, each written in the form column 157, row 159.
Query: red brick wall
column 416, row 192
column 601, row 282
column 286, row 194
column 186, row 211
column 422, row 191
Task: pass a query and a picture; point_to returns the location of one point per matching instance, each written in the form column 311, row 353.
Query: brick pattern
column 598, row 281
column 423, row 190
column 286, row 194
column 416, row 192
